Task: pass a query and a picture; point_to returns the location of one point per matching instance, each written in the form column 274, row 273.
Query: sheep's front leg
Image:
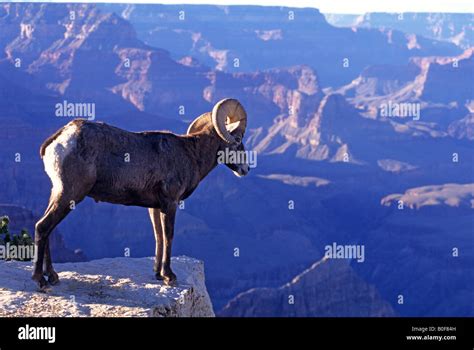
column 155, row 216
column 167, row 223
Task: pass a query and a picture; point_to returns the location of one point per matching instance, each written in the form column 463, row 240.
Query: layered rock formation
column 453, row 27
column 328, row 288
column 248, row 38
column 452, row 195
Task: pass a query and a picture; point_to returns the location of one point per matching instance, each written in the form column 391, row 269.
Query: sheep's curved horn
column 229, row 115
column 198, row 123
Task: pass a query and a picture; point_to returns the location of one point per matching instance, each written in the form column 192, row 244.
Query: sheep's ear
column 232, row 126
column 199, row 123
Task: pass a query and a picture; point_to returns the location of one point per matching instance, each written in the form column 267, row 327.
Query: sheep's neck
column 205, row 152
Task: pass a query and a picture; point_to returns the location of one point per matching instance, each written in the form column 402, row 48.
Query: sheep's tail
column 48, row 141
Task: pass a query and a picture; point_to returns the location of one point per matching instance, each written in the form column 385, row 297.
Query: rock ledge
column 111, row 287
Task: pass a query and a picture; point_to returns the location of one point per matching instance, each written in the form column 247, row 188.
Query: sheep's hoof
column 41, row 281
column 169, row 281
column 169, row 278
column 158, row 276
column 53, row 278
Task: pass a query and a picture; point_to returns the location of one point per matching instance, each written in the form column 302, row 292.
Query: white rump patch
column 55, row 154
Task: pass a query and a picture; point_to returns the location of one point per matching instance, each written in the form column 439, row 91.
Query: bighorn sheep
column 88, row 159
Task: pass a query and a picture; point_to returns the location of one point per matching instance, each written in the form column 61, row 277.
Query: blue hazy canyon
column 332, row 169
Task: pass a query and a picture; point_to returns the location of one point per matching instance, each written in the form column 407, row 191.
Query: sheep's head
column 229, row 120
column 235, row 158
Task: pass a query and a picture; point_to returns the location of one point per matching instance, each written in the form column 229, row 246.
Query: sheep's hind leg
column 52, row 275
column 58, row 208
column 57, row 211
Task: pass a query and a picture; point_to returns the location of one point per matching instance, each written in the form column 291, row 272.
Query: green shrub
column 12, row 242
